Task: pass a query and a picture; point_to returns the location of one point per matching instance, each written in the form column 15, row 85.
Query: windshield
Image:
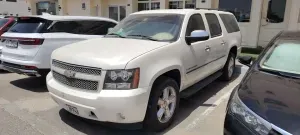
column 158, row 27
column 3, row 22
column 284, row 56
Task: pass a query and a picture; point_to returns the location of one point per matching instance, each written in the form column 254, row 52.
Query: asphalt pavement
column 26, row 108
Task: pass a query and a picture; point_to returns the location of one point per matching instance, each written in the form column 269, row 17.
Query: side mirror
column 109, row 30
column 245, row 60
column 197, row 35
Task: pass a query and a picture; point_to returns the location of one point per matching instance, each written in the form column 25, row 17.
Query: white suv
column 28, row 45
column 139, row 71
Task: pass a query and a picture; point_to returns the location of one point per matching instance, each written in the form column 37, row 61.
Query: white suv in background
column 28, row 45
column 139, row 71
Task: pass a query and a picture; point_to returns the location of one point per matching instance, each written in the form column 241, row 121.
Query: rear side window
column 82, row 27
column 214, row 25
column 3, row 22
column 230, row 23
column 195, row 23
column 29, row 25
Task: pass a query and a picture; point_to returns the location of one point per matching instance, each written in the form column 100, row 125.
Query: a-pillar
column 63, row 7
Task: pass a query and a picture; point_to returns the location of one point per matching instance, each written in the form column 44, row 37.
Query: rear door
column 24, row 39
column 233, row 36
column 216, row 42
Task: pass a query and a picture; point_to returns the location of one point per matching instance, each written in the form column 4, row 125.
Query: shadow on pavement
column 187, row 106
column 34, row 84
column 4, row 71
column 91, row 127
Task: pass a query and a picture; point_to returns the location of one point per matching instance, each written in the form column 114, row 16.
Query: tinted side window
column 30, row 25
column 214, row 25
column 230, row 23
column 195, row 23
column 82, row 27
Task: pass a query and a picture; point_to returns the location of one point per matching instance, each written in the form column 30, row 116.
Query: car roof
column 62, row 18
column 179, row 11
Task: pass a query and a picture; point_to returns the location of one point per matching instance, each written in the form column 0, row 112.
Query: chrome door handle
column 207, row 48
column 223, row 43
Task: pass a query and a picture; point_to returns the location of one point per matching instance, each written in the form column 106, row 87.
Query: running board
column 199, row 85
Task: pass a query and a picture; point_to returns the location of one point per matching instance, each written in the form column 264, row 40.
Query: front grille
column 76, row 68
column 76, row 83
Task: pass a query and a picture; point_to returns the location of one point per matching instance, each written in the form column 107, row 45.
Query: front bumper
column 116, row 106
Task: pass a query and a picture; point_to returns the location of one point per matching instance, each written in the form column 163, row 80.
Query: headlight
column 122, row 79
column 248, row 117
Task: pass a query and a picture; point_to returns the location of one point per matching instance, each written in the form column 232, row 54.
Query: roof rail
column 211, row 9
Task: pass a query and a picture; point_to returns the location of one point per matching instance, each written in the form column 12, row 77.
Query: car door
column 216, row 43
column 198, row 49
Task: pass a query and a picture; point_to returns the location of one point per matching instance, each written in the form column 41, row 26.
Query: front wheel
column 229, row 68
column 163, row 104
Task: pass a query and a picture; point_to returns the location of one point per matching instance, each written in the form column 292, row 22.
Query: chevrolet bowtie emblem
column 69, row 74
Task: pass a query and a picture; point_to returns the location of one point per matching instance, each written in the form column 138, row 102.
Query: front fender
column 156, row 63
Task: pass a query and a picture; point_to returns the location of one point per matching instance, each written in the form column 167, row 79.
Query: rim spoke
column 166, row 93
column 172, row 99
column 160, row 102
column 167, row 112
column 160, row 113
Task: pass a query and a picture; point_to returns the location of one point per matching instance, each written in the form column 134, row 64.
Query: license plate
column 72, row 109
column 11, row 43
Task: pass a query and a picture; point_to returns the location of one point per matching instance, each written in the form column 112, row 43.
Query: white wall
column 250, row 30
column 20, row 7
column 74, row 7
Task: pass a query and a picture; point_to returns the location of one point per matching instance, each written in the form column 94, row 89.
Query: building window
column 276, row 11
column 45, row 7
column 181, row 4
column 148, row 4
column 240, row 8
column 11, row 0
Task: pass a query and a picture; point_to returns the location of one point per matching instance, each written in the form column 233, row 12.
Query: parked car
column 5, row 24
column 139, row 71
column 266, row 102
column 29, row 43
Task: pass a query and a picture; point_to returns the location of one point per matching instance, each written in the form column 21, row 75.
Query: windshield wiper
column 116, row 35
column 283, row 74
column 143, row 36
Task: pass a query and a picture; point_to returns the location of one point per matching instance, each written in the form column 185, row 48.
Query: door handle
column 223, row 43
column 207, row 48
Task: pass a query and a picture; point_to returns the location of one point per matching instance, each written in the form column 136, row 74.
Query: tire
column 229, row 68
column 151, row 121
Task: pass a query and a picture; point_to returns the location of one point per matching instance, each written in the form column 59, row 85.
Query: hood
column 274, row 98
column 105, row 53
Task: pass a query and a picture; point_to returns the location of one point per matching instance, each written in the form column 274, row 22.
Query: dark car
column 5, row 24
column 267, row 101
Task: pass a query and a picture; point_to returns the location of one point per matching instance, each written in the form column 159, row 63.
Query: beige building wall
column 20, row 7
column 74, row 7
